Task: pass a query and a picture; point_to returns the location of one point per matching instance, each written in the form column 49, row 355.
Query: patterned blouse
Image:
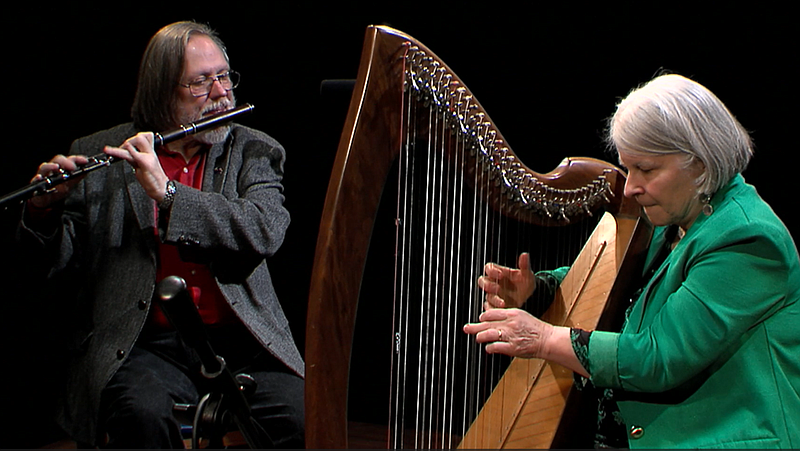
column 611, row 431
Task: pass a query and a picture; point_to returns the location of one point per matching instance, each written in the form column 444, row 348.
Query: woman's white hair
column 672, row 114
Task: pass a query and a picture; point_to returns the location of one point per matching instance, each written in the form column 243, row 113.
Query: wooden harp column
column 392, row 66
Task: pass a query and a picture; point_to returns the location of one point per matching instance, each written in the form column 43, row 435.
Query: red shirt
column 205, row 292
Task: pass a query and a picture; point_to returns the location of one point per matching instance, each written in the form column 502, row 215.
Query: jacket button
column 120, row 354
column 637, row 431
column 142, row 304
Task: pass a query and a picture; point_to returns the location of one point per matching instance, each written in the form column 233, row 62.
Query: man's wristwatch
column 169, row 196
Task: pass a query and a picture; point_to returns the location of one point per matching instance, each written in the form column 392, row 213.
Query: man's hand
column 139, row 152
column 48, row 168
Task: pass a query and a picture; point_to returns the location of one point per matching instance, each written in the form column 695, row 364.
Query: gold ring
column 499, row 335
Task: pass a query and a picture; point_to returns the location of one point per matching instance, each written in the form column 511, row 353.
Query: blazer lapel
column 216, row 166
column 656, row 267
column 144, row 208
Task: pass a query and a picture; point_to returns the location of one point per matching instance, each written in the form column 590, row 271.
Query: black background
column 549, row 77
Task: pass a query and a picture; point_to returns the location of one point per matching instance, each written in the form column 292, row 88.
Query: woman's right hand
column 48, row 168
column 507, row 287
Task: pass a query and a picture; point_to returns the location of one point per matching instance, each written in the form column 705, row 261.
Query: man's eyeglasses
column 202, row 86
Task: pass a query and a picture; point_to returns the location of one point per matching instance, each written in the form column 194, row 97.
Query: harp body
column 531, row 406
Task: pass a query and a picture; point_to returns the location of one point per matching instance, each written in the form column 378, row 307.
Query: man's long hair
column 154, row 105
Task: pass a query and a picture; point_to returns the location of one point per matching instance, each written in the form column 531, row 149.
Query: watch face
column 169, row 194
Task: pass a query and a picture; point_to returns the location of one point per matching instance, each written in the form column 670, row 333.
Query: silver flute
column 103, row 160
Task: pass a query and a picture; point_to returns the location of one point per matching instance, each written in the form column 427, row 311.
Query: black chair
column 226, row 403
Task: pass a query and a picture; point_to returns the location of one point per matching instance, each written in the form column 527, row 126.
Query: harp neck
column 573, row 190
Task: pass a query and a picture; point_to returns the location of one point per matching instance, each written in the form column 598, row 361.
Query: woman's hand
column 507, row 287
column 517, row 333
column 512, row 332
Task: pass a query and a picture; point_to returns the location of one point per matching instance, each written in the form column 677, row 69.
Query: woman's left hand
column 512, row 332
column 517, row 333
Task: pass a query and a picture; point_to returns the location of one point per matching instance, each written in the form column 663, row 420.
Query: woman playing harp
column 458, row 184
column 708, row 353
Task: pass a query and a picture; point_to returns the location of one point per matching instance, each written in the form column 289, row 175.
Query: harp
column 403, row 93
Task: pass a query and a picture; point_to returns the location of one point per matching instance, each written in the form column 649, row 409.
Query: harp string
column 446, row 205
column 457, row 232
column 405, row 218
column 430, row 301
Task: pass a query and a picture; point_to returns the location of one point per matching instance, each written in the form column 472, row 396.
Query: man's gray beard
column 214, row 136
column 219, row 134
